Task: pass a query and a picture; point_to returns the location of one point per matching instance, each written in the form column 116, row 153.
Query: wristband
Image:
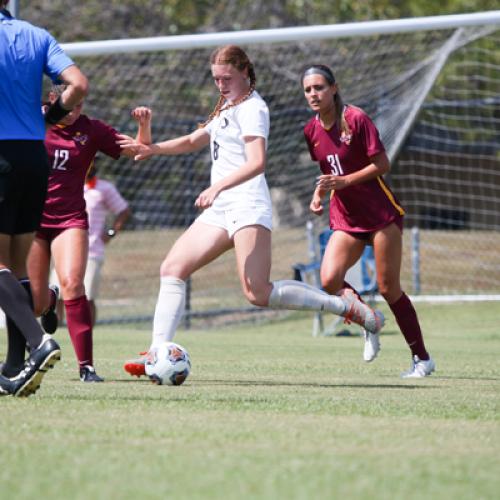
column 56, row 112
column 111, row 233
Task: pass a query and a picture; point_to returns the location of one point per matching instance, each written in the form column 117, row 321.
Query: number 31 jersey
column 364, row 207
column 71, row 151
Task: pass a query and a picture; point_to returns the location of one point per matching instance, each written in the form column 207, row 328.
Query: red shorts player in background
column 71, row 146
column 363, row 210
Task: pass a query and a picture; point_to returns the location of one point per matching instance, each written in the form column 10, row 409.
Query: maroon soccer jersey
column 71, row 151
column 367, row 206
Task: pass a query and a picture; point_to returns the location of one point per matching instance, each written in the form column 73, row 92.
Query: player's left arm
column 142, row 115
column 118, row 224
column 255, row 149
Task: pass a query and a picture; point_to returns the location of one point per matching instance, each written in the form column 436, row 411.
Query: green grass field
column 268, row 413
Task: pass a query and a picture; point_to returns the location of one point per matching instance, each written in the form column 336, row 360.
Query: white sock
column 297, row 295
column 169, row 309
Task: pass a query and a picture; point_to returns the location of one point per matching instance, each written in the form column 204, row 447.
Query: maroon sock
column 407, row 320
column 80, row 328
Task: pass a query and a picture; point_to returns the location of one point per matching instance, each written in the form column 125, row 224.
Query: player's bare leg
column 341, row 253
column 70, row 251
column 199, row 245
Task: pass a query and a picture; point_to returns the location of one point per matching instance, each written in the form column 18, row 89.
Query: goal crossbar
column 295, row 34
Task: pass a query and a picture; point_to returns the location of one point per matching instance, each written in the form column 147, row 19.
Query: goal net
column 430, row 84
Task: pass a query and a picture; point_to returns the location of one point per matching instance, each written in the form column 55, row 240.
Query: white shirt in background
column 100, row 200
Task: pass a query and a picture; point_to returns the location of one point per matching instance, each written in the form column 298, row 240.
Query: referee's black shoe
column 49, row 318
column 6, row 386
column 9, row 371
column 28, row 380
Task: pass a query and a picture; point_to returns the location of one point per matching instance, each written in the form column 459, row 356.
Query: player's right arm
column 77, row 87
column 316, row 205
column 180, row 145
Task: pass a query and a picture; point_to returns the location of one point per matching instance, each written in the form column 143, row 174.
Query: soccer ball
column 169, row 364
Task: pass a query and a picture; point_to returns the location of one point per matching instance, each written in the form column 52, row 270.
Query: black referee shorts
column 24, row 173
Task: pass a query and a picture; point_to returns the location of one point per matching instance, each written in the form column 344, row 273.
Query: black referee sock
column 16, row 341
column 16, row 305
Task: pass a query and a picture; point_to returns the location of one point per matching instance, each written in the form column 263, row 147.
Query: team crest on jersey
column 80, row 138
column 225, row 123
column 346, row 138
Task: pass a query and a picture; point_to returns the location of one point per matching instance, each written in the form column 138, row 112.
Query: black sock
column 16, row 305
column 16, row 341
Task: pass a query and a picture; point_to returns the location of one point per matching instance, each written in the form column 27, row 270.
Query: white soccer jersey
column 227, row 146
column 100, row 200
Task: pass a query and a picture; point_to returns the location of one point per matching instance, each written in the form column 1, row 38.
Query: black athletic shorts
column 24, row 173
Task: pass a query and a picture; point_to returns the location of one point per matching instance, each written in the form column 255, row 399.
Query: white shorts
column 92, row 278
column 234, row 219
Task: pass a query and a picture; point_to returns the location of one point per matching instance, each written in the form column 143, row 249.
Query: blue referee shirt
column 26, row 53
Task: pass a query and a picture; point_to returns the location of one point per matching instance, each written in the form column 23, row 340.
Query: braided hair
column 236, row 57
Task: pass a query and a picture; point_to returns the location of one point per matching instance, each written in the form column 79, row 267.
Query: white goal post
column 280, row 35
column 430, row 84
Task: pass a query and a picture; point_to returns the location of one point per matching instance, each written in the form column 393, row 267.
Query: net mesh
column 433, row 96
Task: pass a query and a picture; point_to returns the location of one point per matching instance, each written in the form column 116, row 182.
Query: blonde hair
column 236, row 57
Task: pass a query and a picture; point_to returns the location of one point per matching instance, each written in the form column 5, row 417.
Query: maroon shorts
column 367, row 235
column 49, row 234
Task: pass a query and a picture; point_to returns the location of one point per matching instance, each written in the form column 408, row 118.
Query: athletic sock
column 407, row 320
column 16, row 305
column 16, row 342
column 80, row 328
column 297, row 295
column 169, row 309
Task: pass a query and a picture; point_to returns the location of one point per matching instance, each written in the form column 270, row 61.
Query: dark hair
column 236, row 57
column 319, row 69
column 327, row 74
column 58, row 88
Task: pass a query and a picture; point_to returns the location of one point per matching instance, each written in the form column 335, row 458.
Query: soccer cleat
column 372, row 345
column 28, row 380
column 419, row 368
column 9, row 387
column 49, row 317
column 88, row 374
column 6, row 386
column 137, row 367
column 360, row 313
column 9, row 371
